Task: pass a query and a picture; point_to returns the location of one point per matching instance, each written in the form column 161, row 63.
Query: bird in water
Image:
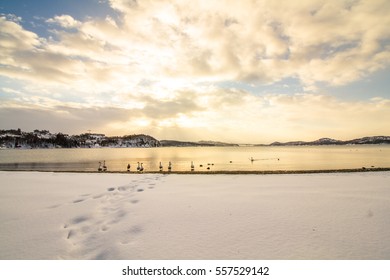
column 192, row 166
column 169, row 166
column 138, row 167
column 160, row 167
column 128, row 167
column 100, row 166
column 141, row 168
column 104, row 166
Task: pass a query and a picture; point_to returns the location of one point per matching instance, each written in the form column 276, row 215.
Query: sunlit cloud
column 65, row 21
column 161, row 64
column 261, row 42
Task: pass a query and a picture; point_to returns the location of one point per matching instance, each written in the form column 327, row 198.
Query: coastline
column 222, row 172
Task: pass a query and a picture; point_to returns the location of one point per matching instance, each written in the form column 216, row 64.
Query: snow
column 156, row 216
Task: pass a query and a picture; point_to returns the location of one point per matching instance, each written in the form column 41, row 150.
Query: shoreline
column 222, row 172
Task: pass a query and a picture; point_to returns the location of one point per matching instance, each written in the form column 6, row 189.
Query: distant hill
column 15, row 138
column 175, row 143
column 38, row 139
column 330, row 141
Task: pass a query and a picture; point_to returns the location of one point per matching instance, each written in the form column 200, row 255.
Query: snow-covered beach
column 156, row 216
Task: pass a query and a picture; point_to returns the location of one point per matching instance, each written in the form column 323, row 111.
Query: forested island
column 15, row 138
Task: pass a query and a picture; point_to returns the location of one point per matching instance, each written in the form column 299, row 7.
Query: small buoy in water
column 201, row 165
column 208, row 168
column 231, row 161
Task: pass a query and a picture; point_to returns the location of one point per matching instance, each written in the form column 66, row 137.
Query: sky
column 234, row 71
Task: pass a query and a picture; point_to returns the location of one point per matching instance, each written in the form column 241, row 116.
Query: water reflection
column 203, row 158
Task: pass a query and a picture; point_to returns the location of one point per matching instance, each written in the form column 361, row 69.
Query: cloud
column 65, row 21
column 335, row 42
column 211, row 113
column 265, row 41
column 184, row 103
column 60, row 118
column 157, row 65
column 14, row 38
column 123, row 5
column 10, row 90
column 24, row 56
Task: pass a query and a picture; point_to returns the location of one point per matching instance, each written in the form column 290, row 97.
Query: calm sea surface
column 216, row 158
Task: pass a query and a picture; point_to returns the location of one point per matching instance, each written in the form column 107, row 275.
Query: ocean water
column 214, row 158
